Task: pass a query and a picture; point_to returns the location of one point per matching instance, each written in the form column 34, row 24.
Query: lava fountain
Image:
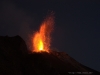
column 42, row 37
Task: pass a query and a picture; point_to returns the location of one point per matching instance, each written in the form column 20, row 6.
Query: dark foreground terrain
column 16, row 60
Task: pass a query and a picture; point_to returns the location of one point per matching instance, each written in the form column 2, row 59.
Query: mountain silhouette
column 15, row 59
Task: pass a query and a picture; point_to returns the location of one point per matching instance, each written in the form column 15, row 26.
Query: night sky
column 76, row 30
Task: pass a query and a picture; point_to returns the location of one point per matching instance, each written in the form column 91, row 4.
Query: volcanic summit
column 15, row 59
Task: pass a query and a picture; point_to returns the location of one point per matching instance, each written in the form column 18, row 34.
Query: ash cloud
column 14, row 21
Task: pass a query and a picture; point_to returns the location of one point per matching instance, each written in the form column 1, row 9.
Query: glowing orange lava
column 42, row 39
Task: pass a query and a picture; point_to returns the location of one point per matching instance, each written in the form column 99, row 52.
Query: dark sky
column 77, row 25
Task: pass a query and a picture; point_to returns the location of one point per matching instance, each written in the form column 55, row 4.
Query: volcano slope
column 15, row 59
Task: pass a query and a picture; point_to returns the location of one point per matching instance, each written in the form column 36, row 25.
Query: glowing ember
column 42, row 39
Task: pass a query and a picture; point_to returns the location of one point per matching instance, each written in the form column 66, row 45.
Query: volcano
column 15, row 59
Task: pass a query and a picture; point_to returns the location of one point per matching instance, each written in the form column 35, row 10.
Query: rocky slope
column 16, row 60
